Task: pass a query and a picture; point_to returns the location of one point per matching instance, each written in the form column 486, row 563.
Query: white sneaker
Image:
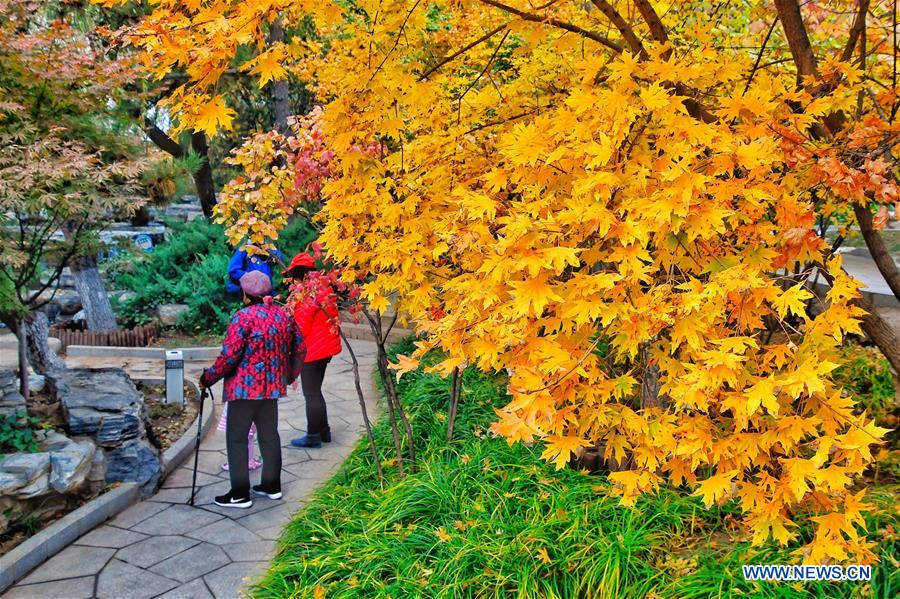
column 258, row 491
column 229, row 500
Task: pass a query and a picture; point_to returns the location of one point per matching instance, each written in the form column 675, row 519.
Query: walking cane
column 203, row 395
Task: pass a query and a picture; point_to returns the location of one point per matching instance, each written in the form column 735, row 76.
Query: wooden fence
column 141, row 336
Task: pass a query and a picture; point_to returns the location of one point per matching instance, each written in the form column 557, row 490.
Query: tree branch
column 634, row 44
column 657, row 29
column 797, row 38
column 527, row 16
column 859, row 25
column 463, row 50
column 161, row 140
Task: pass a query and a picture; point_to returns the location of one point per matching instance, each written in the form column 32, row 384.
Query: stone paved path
column 161, row 547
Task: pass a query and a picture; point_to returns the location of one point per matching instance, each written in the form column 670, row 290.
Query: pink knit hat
column 256, row 283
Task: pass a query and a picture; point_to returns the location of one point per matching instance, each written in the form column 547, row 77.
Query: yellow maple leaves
column 561, row 215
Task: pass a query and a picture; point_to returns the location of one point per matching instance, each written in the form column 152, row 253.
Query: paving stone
column 154, row 550
column 193, row 590
column 71, row 562
column 110, row 536
column 119, row 580
column 71, row 588
column 226, row 581
column 293, row 455
column 207, row 494
column 314, row 469
column 224, row 532
column 137, row 513
column 195, row 562
column 176, row 520
column 183, row 478
column 209, row 462
column 271, row 533
column 276, row 515
column 250, row 552
column 176, row 495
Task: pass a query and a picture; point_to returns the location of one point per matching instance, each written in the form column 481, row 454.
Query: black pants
column 264, row 414
column 311, row 376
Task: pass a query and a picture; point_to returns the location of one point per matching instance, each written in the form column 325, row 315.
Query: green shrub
column 190, row 268
column 18, row 432
column 481, row 518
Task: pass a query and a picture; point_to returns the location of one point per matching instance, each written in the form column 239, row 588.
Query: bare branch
column 859, row 25
column 527, row 16
column 161, row 140
column 622, row 25
column 463, row 50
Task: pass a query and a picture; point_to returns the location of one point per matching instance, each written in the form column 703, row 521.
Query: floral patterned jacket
column 262, row 354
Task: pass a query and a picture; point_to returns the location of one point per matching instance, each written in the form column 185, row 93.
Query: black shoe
column 259, row 491
column 312, row 440
column 326, row 435
column 229, row 500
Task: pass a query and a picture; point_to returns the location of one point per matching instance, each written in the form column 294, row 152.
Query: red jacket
column 319, row 329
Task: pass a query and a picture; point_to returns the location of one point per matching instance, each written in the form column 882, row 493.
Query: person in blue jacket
column 243, row 262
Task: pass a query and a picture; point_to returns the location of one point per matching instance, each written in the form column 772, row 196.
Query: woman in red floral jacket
column 262, row 354
column 316, row 315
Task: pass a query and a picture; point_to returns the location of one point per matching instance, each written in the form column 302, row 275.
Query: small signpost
column 175, row 376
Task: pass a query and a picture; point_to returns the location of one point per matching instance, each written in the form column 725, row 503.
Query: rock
column 70, row 465
column 10, row 483
column 55, row 344
column 53, row 441
column 97, row 473
column 103, row 403
column 37, row 382
column 12, row 403
column 28, row 466
column 9, row 380
column 169, row 314
column 66, row 278
column 123, row 297
column 40, row 486
column 136, row 461
column 68, row 300
column 190, row 199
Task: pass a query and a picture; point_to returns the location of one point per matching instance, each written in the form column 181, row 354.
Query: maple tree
column 611, row 202
column 65, row 165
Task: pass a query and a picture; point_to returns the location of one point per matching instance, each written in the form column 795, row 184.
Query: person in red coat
column 316, row 316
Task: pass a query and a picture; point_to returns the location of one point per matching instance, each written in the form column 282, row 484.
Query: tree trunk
column 650, row 397
column 279, row 87
column 880, row 254
column 43, row 359
column 882, row 335
column 37, row 329
column 94, row 299
column 23, row 361
column 797, row 39
column 362, row 407
column 455, row 392
column 203, row 179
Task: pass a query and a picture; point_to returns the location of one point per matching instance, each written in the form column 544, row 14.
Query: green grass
column 483, row 519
